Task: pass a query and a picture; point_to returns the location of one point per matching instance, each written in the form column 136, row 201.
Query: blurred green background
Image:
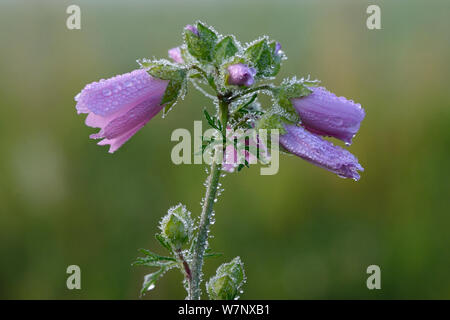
column 303, row 233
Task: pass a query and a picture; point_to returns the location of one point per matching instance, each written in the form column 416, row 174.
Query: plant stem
column 207, row 210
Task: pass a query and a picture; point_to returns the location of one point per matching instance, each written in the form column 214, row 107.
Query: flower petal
column 117, row 142
column 320, row 152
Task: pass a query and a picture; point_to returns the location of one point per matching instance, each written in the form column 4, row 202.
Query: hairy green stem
column 212, row 185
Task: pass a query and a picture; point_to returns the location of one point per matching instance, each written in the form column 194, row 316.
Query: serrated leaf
column 163, row 242
column 243, row 107
column 153, row 260
column 225, row 49
column 201, row 46
column 264, row 59
column 172, row 91
column 227, row 282
column 293, row 89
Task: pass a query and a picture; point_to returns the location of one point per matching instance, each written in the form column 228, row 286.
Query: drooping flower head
column 192, row 29
column 324, row 113
column 320, row 152
column 121, row 105
column 241, row 75
column 175, row 55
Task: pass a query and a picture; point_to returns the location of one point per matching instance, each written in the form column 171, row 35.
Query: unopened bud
column 227, row 282
column 177, row 227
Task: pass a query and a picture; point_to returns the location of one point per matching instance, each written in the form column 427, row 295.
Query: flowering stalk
column 236, row 74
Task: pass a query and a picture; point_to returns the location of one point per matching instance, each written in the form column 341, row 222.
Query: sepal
column 177, row 227
column 262, row 54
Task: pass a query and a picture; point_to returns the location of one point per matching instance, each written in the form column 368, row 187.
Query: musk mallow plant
column 233, row 75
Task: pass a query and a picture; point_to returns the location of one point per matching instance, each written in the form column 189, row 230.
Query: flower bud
column 241, row 75
column 177, row 227
column 227, row 282
column 192, row 29
column 175, row 55
column 277, row 48
column 323, row 113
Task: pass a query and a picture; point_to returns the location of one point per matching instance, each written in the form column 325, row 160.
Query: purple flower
column 320, row 152
column 121, row 105
column 241, row 75
column 324, row 113
column 277, row 47
column 192, row 29
column 175, row 55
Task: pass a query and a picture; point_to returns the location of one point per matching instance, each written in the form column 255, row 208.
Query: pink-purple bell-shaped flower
column 241, row 75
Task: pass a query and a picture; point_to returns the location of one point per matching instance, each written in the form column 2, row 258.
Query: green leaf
column 152, row 259
column 177, row 227
column 150, row 280
column 208, row 118
column 201, row 46
column 271, row 121
column 289, row 89
column 263, row 56
column 227, row 282
column 213, row 121
column 243, row 107
column 210, row 254
column 225, row 49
